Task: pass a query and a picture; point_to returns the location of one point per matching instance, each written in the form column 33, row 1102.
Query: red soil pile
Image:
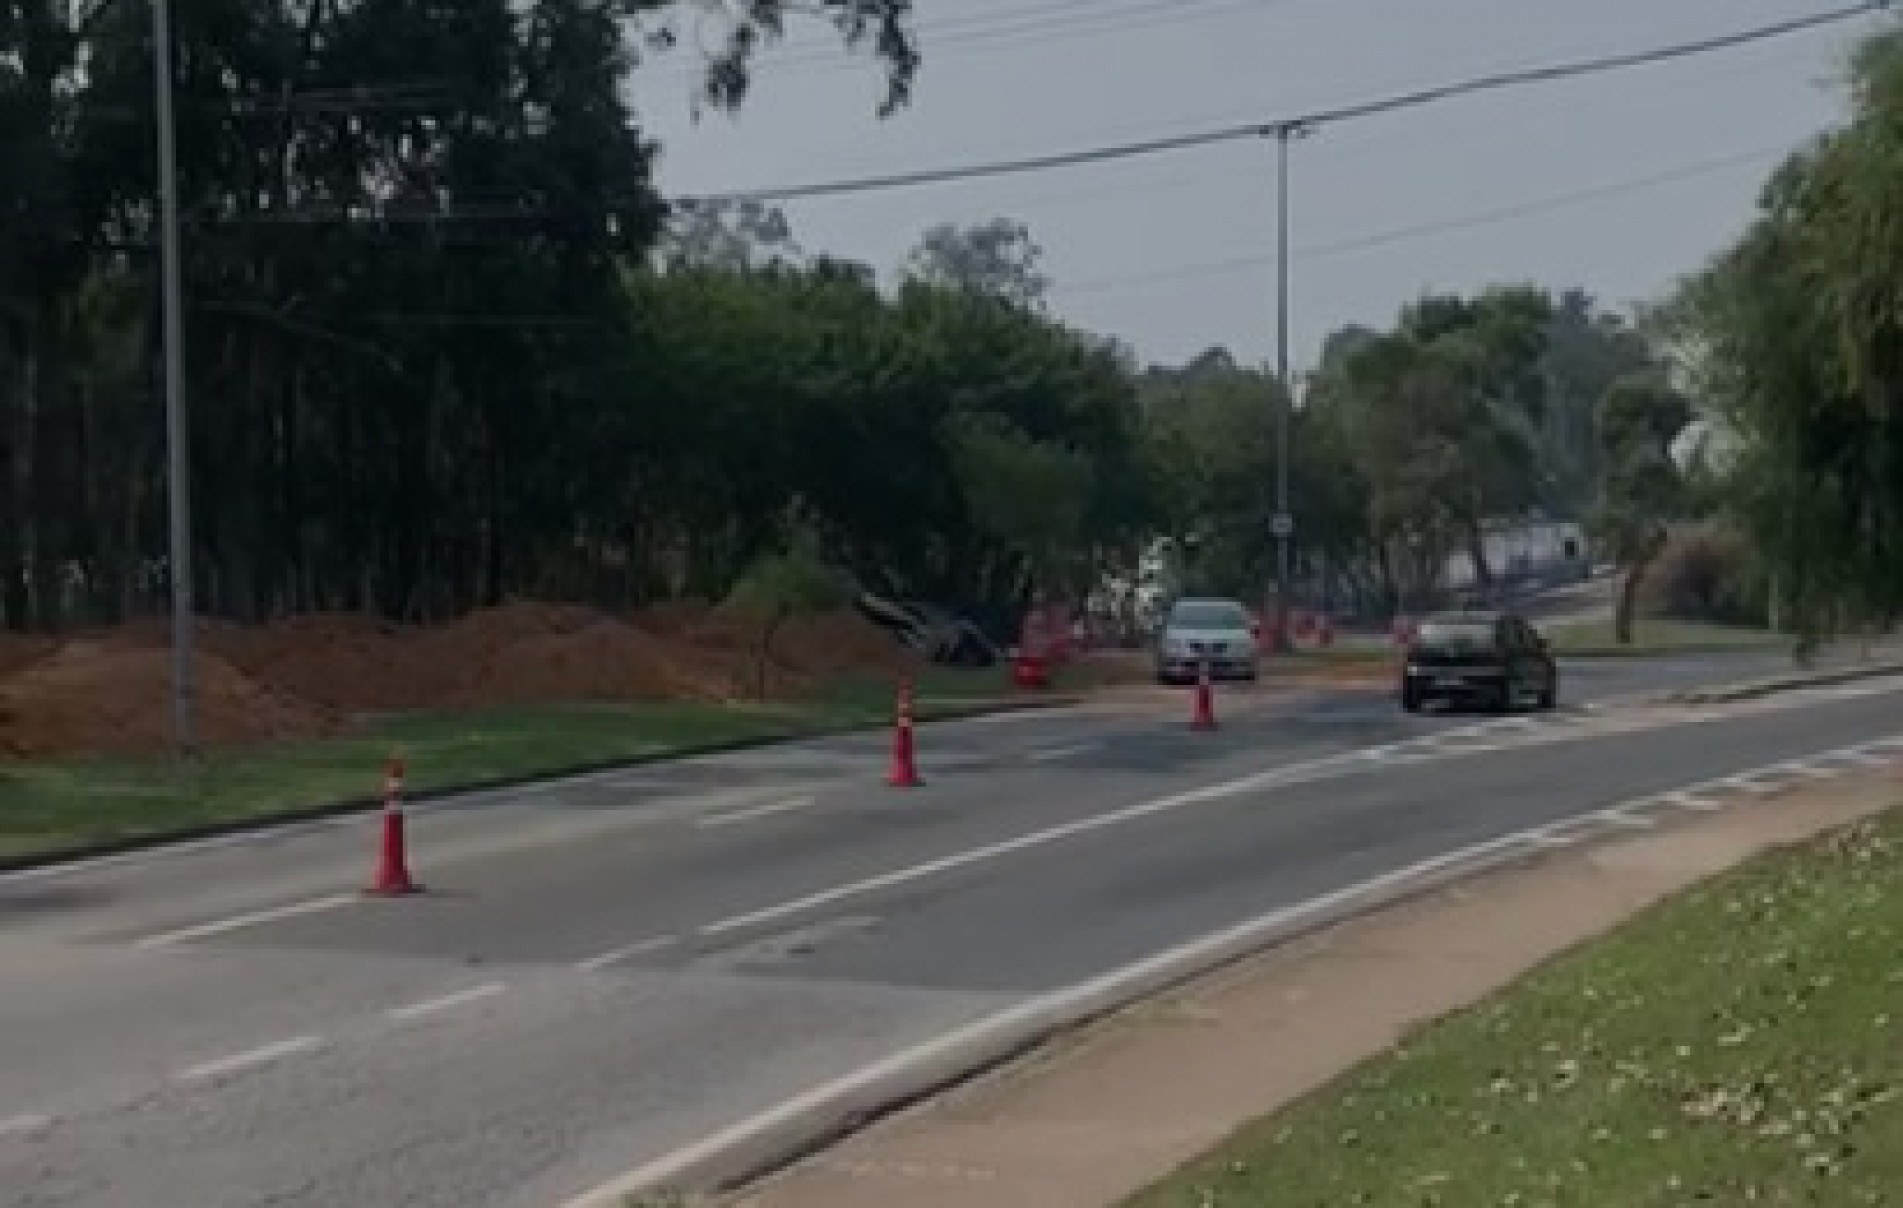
column 305, row 675
column 111, row 697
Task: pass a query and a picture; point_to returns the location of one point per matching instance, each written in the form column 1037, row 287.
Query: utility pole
column 1284, row 523
column 177, row 430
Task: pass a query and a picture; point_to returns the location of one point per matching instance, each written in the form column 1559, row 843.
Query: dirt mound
column 91, row 696
column 305, row 675
column 574, row 656
column 841, row 642
column 17, row 651
column 341, row 661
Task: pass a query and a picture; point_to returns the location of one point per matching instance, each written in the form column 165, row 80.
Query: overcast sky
column 1619, row 183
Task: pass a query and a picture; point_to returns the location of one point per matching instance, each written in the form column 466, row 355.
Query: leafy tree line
column 447, row 345
column 1792, row 342
column 1406, row 444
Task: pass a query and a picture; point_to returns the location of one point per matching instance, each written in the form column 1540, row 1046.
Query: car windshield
column 1208, row 614
column 1456, row 635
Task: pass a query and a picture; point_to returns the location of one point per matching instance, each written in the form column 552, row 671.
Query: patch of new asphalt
column 453, row 1049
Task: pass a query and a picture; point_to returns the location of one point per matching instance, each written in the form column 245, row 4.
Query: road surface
column 611, row 968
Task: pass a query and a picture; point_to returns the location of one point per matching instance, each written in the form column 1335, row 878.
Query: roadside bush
column 1705, row 574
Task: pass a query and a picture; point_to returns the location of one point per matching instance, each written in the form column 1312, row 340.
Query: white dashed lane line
column 757, row 812
column 1054, row 754
column 595, row 964
column 254, row 919
column 448, row 1002
column 222, row 1067
column 24, row 1126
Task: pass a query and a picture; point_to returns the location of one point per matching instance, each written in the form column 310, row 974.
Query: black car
column 1494, row 660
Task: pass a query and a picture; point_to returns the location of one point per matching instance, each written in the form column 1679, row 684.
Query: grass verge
column 1741, row 1043
column 54, row 807
column 1595, row 639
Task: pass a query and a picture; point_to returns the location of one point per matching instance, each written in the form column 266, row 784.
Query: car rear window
column 1210, row 614
column 1457, row 635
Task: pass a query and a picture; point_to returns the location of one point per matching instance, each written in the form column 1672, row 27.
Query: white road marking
column 1752, row 783
column 1272, row 778
column 1869, row 759
column 1097, row 994
column 251, row 1058
column 1812, row 770
column 1687, row 799
column 1553, row 837
column 255, row 918
column 595, row 964
column 24, row 1126
column 447, row 1002
column 1619, row 816
column 1053, row 754
column 754, row 813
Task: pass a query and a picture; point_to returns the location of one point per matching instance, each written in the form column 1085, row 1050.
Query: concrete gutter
column 813, row 1121
column 1770, row 685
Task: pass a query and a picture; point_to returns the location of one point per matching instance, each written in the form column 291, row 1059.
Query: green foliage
column 1640, row 490
column 780, row 584
column 1795, row 336
column 1706, row 573
column 997, row 258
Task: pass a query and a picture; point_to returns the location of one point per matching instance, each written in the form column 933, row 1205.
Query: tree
column 1794, row 338
column 998, row 258
column 732, row 237
column 1029, row 497
column 1641, row 490
column 780, row 584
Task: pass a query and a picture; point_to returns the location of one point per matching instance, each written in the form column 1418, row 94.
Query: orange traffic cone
column 904, row 773
column 393, row 870
column 1205, row 715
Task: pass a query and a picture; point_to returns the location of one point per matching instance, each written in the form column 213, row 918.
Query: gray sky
column 1175, row 252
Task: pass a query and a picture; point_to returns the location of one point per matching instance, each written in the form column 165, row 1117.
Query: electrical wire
column 1403, row 234
column 1302, row 123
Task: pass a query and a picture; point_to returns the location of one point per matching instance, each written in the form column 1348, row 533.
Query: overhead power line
column 1422, row 230
column 1471, row 86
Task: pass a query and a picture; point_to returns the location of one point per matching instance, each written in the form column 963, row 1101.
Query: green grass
column 57, row 806
column 1742, row 1043
column 1649, row 637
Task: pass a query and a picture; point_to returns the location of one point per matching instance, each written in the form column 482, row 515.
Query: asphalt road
column 613, row 967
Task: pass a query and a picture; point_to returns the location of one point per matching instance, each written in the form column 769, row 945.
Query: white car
column 1219, row 633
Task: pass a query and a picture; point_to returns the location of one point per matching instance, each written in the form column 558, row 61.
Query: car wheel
column 1549, row 696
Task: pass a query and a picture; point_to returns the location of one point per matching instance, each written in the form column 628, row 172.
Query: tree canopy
column 1794, row 339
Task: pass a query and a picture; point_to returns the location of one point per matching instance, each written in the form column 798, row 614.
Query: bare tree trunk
column 1622, row 617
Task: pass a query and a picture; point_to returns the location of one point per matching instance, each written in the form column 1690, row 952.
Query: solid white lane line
column 1817, row 770
column 754, row 813
column 24, row 1126
column 1554, row 837
column 1098, row 993
column 1620, row 817
column 255, row 918
column 1687, row 799
column 447, row 1002
column 1274, row 777
column 1752, row 783
column 1053, row 754
column 249, row 1059
column 596, row 963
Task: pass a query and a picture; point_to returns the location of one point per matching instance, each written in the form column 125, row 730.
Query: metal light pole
column 1284, row 523
column 177, row 431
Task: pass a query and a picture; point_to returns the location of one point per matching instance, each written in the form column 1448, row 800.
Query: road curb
column 354, row 806
column 811, row 1122
column 1771, row 685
